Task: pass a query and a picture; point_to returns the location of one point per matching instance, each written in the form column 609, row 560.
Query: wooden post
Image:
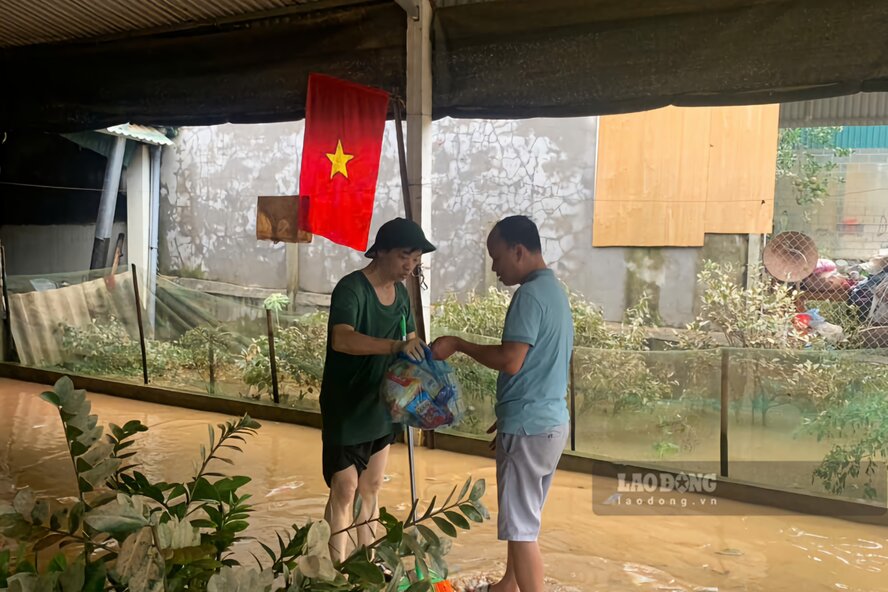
column 211, row 363
column 272, row 357
column 573, row 405
column 118, row 253
column 141, row 327
column 725, row 401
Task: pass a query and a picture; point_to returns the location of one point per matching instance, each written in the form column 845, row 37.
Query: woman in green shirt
column 368, row 309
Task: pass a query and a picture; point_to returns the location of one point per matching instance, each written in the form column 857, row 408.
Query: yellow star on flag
column 339, row 160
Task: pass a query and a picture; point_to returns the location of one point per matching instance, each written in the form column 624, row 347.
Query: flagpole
column 414, row 280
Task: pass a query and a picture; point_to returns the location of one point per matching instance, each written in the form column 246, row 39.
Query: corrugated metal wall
column 859, row 109
column 37, row 317
column 862, row 137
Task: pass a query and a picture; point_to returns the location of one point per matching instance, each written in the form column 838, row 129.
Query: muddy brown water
column 583, row 551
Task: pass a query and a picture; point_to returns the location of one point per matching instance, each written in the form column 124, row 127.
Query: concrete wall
column 852, row 222
column 482, row 171
column 210, row 181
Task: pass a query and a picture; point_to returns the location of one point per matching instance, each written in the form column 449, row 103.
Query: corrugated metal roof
column 44, row 21
column 859, row 109
column 140, row 133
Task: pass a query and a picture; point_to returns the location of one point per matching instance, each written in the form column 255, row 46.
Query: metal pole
column 725, row 398
column 272, row 357
column 154, row 205
column 402, row 157
column 141, row 328
column 414, row 288
column 7, row 315
column 573, row 407
column 411, row 463
column 107, row 205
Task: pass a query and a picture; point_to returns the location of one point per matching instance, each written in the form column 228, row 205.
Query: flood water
column 583, row 551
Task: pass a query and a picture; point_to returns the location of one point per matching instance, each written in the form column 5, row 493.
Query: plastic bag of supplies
column 423, row 394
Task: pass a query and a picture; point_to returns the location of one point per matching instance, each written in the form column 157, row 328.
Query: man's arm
column 344, row 339
column 508, row 357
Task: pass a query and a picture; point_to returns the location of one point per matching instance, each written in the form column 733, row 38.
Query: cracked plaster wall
column 482, row 170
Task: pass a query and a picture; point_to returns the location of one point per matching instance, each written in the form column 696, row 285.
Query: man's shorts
column 338, row 457
column 524, row 469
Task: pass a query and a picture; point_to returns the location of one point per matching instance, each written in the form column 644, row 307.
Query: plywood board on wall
column 669, row 176
column 649, row 224
column 742, row 169
column 648, row 164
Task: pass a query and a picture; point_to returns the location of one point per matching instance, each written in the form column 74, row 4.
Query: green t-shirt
column 351, row 408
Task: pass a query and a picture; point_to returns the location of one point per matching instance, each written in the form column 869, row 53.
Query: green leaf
column 22, row 582
column 55, row 521
column 230, row 484
column 421, row 586
column 190, row 555
column 268, row 550
column 75, row 517
column 23, row 503
column 389, row 557
column 229, row 579
column 356, row 510
column 364, row 572
column 411, row 516
column 95, row 577
column 118, row 519
column 49, row 541
column 429, row 535
column 445, row 526
column 397, row 576
column 40, row 513
column 436, row 562
column 51, row 397
column 139, row 563
column 429, row 510
column 59, row 563
column 101, row 472
column 73, row 577
column 237, row 526
column 204, row 490
column 471, row 513
column 465, row 489
column 478, row 490
column 387, row 519
column 395, row 534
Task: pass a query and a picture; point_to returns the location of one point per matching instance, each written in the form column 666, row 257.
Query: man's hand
column 444, row 347
column 492, row 430
column 412, row 348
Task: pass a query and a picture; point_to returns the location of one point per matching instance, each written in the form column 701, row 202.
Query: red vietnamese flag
column 344, row 123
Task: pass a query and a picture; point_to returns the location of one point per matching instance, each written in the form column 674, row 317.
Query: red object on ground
column 802, row 322
column 344, row 123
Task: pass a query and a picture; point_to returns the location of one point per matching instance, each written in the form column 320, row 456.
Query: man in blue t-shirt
column 531, row 409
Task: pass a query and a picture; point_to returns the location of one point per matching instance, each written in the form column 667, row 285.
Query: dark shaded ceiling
column 492, row 59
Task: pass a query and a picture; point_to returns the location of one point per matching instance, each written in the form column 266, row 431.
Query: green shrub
column 130, row 533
